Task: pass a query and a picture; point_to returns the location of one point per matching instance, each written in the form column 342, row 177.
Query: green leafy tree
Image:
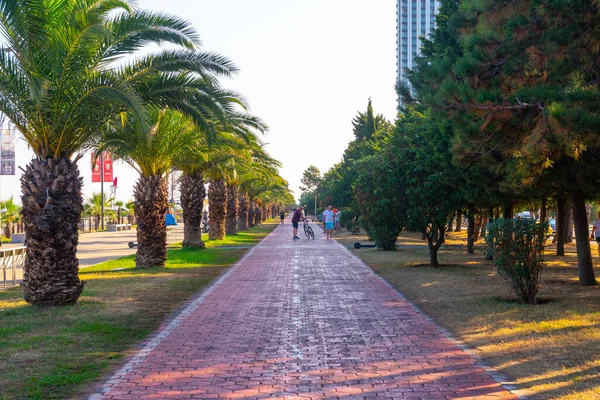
column 420, row 151
column 381, row 200
column 528, row 82
column 311, row 177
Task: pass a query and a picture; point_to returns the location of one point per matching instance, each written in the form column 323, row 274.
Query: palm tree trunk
column 217, row 203
column 193, row 193
column 8, row 230
column 251, row 216
column 264, row 213
column 52, row 206
column 232, row 210
column 257, row 214
column 151, row 205
column 244, row 202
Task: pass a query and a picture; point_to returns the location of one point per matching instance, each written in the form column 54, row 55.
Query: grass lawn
column 552, row 350
column 60, row 352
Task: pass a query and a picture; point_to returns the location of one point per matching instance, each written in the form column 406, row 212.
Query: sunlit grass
column 60, row 352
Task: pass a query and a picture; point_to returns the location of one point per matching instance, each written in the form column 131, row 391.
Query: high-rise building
column 414, row 18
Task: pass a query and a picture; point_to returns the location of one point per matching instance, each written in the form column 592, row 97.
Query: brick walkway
column 301, row 319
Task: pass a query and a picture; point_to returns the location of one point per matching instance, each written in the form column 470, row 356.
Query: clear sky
column 307, row 67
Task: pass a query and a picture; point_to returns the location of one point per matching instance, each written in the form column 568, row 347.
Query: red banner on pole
column 108, row 168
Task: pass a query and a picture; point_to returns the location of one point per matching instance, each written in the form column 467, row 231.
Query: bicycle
column 308, row 231
column 204, row 226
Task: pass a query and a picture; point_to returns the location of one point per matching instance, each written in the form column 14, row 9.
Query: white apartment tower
column 414, row 18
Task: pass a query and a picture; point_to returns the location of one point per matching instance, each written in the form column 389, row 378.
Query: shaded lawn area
column 552, row 351
column 59, row 353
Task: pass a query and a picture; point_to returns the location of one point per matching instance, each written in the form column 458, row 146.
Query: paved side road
column 93, row 248
column 301, row 320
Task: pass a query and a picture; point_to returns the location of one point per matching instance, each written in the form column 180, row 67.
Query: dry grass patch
column 59, row 352
column 552, row 350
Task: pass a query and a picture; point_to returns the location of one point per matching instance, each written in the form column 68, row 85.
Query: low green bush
column 518, row 250
column 347, row 216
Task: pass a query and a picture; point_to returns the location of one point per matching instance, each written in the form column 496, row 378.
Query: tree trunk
column 568, row 232
column 244, row 202
column 477, row 229
column 151, row 206
column 264, row 213
column 508, row 211
column 471, row 233
column 251, row 217
column 489, row 253
column 458, row 221
column 484, row 221
column 52, row 206
column 193, row 193
column 451, row 222
column 217, row 203
column 8, row 231
column 434, row 242
column 559, row 235
column 584, row 254
column 232, row 210
column 543, row 214
column 257, row 214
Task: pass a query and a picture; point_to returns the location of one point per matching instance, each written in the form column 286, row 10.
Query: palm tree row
column 70, row 81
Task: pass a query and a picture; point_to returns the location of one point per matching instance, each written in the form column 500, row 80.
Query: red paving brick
column 301, row 320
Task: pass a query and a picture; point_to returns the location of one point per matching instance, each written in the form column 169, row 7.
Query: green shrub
column 518, row 249
column 380, row 200
column 347, row 216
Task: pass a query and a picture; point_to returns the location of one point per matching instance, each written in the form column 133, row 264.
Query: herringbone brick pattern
column 301, row 320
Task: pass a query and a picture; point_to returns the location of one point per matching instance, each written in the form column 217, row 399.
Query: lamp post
column 316, row 204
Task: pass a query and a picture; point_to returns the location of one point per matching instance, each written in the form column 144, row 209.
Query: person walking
column 596, row 231
column 328, row 220
column 282, row 216
column 295, row 219
column 336, row 218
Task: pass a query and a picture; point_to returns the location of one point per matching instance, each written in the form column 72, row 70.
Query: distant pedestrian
column 295, row 219
column 336, row 219
column 596, row 231
column 282, row 216
column 328, row 220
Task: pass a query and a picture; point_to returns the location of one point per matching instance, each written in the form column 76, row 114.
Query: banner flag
column 7, row 152
column 108, row 168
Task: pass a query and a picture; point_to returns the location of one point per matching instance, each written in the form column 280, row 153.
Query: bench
column 18, row 238
column 118, row 227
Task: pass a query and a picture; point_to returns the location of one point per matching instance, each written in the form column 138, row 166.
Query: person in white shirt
column 596, row 231
column 328, row 218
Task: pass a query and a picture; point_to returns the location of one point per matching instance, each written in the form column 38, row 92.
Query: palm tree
column 211, row 149
column 151, row 154
column 60, row 81
column 258, row 167
column 93, row 207
column 129, row 211
column 10, row 214
column 119, row 207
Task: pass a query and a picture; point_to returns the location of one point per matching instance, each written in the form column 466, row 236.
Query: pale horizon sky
column 307, row 68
